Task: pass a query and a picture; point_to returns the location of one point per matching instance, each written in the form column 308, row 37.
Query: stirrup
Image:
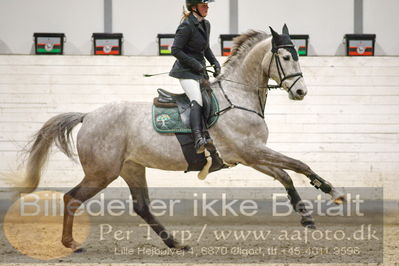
column 200, row 145
column 208, row 138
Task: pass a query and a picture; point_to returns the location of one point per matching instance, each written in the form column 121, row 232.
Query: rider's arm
column 182, row 36
column 210, row 56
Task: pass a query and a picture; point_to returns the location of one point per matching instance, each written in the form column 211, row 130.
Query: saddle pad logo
column 164, row 121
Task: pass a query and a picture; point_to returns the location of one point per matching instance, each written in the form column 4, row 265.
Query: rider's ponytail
column 185, row 15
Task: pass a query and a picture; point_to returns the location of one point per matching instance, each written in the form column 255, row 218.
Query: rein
column 233, row 106
column 282, row 77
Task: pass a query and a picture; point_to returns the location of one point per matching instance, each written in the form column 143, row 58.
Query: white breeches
column 192, row 88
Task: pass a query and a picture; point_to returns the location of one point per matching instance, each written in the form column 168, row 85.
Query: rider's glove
column 217, row 69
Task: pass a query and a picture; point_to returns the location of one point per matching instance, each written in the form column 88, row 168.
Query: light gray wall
column 140, row 21
column 78, row 19
column 325, row 21
column 381, row 17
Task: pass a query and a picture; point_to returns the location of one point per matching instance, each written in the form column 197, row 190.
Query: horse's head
column 283, row 65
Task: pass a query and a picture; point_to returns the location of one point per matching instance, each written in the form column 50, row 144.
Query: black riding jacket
column 190, row 46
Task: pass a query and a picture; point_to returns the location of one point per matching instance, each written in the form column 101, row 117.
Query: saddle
column 171, row 112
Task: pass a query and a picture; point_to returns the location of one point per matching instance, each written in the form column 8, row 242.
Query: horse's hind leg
column 296, row 202
column 134, row 175
column 270, row 158
column 88, row 188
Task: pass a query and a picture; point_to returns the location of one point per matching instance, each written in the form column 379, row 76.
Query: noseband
column 280, row 69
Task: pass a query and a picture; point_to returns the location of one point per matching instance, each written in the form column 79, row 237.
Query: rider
column 190, row 46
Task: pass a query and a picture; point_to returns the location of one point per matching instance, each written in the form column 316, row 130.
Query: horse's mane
column 242, row 45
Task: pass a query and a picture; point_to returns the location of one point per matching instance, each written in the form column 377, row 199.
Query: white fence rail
column 347, row 128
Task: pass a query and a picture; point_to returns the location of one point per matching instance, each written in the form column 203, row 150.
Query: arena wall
column 140, row 21
column 346, row 129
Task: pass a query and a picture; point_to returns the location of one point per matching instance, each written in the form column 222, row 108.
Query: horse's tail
column 57, row 130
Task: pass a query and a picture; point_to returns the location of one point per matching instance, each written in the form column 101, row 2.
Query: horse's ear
column 285, row 30
column 275, row 40
column 275, row 34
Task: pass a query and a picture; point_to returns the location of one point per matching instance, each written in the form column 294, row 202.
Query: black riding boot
column 209, row 141
column 197, row 127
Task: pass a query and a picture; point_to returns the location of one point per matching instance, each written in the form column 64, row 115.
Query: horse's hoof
column 182, row 247
column 75, row 246
column 340, row 200
column 337, row 197
column 310, row 226
column 308, row 222
column 79, row 250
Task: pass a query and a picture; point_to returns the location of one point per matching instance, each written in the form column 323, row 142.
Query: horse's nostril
column 300, row 92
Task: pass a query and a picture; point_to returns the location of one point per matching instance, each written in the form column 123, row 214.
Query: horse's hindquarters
column 122, row 132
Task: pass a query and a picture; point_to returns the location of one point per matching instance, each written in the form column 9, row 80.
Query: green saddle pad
column 167, row 120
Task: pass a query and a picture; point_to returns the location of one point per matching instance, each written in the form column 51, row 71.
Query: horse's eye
column 286, row 57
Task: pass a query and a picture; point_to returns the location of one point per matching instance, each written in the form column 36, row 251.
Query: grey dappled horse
column 119, row 140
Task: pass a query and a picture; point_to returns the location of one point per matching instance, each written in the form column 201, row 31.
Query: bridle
column 280, row 69
column 282, row 77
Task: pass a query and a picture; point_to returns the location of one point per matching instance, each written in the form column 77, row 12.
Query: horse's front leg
column 261, row 155
column 296, row 202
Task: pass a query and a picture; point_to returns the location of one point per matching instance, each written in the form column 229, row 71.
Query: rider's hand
column 199, row 68
column 217, row 69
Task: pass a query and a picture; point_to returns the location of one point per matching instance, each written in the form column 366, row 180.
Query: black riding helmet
column 191, row 3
